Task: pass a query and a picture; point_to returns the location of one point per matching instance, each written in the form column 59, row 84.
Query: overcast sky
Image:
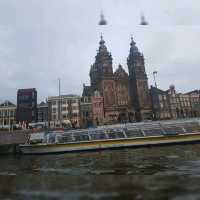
column 43, row 40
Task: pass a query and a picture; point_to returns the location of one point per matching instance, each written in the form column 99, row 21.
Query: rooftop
column 68, row 96
column 7, row 104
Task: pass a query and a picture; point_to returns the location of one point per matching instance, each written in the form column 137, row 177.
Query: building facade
column 26, row 105
column 113, row 88
column 179, row 103
column 7, row 114
column 174, row 105
column 138, row 84
column 64, row 110
column 97, row 109
column 195, row 102
column 42, row 112
column 122, row 97
column 160, row 104
column 86, row 115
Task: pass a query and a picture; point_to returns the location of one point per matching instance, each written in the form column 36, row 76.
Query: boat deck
column 117, row 136
column 124, row 131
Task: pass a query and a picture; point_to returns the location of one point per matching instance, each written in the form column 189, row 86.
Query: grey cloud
column 41, row 41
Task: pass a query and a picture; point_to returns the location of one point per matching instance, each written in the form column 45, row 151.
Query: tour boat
column 117, row 136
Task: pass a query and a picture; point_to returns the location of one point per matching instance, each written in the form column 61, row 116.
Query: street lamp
column 60, row 102
column 154, row 77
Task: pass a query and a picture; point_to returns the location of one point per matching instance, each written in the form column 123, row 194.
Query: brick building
column 26, row 105
column 125, row 97
column 97, row 108
column 138, row 84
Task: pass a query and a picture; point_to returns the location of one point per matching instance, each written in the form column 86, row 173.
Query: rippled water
column 171, row 172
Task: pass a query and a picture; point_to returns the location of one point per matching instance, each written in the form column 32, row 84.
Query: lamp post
column 198, row 113
column 60, row 102
column 154, row 77
column 9, row 118
column 3, row 112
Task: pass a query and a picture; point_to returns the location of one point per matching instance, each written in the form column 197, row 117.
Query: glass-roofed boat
column 116, row 136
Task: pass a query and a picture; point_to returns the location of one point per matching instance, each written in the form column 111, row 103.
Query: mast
column 60, row 101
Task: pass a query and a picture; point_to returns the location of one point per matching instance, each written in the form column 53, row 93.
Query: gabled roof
column 7, row 104
column 120, row 72
column 42, row 104
column 87, row 91
column 157, row 90
column 193, row 92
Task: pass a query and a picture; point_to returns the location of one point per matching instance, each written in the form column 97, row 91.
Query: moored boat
column 117, row 136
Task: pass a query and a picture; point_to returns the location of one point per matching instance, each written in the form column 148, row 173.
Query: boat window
column 153, row 132
column 65, row 139
column 133, row 133
column 191, row 129
column 173, row 130
column 113, row 134
column 51, row 138
column 99, row 136
column 81, row 137
column 96, row 131
column 83, row 132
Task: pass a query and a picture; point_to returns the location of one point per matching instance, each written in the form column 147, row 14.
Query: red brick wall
column 97, row 109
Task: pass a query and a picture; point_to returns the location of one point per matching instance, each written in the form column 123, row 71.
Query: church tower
column 102, row 68
column 138, row 84
column 102, row 79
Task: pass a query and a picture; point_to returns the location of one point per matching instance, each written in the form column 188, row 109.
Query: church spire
column 132, row 41
column 102, row 42
column 133, row 48
column 102, row 46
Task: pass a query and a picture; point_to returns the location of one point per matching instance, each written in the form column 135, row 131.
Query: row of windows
column 86, row 99
column 5, row 113
column 86, row 114
column 65, row 116
column 6, row 122
column 98, row 104
column 122, row 102
column 162, row 97
column 73, row 101
column 73, row 108
column 182, row 103
column 163, row 104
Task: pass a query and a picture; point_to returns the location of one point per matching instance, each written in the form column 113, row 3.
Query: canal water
column 171, row 172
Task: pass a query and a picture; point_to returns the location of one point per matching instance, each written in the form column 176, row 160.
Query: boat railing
column 130, row 131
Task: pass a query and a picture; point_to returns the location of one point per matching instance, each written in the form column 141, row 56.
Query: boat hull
column 109, row 144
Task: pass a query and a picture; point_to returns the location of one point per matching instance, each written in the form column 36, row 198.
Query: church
column 118, row 96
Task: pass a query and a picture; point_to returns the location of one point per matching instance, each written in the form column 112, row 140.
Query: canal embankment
column 9, row 141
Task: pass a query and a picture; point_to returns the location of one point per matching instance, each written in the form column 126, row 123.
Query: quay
column 9, row 141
